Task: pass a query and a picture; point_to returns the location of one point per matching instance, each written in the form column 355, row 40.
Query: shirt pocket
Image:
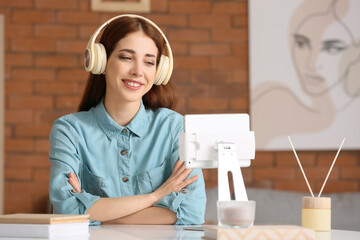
column 91, row 183
column 151, row 180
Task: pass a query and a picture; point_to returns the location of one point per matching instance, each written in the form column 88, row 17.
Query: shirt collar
column 137, row 125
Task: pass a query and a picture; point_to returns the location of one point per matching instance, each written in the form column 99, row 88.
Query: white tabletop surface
column 135, row 232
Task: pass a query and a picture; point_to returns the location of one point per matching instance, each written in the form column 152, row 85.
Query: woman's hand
column 176, row 182
column 74, row 183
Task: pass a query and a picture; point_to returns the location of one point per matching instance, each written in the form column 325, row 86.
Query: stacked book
column 52, row 226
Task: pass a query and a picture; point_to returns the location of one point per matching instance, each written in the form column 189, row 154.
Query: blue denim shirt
column 113, row 161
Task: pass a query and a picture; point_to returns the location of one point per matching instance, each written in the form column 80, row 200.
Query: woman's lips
column 314, row 80
column 131, row 84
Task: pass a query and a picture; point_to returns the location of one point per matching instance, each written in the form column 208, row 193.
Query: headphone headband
column 91, row 60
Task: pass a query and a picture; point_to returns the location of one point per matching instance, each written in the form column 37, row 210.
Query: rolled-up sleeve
column 64, row 158
column 190, row 203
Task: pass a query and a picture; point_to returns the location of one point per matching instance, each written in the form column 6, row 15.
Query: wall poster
column 305, row 73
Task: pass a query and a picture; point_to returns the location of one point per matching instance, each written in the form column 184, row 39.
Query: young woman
column 117, row 159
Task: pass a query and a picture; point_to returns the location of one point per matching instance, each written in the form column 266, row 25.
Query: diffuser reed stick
column 332, row 165
column 302, row 170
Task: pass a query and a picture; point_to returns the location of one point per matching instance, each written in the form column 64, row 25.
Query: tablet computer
column 202, row 133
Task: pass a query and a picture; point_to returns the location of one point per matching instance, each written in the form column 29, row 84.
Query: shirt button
column 123, row 152
column 184, row 191
column 124, row 130
column 125, row 179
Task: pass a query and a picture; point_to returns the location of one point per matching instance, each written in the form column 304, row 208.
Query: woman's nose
column 136, row 69
column 313, row 61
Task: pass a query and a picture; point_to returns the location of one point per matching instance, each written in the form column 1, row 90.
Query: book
column 265, row 232
column 44, row 226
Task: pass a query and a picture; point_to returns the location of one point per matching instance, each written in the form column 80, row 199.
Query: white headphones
column 95, row 54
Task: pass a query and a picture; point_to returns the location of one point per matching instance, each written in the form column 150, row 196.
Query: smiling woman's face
column 322, row 53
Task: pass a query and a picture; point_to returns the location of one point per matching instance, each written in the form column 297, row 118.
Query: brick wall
column 44, row 78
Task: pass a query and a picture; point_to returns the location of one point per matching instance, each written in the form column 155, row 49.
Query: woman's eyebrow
column 301, row 37
column 133, row 52
column 332, row 42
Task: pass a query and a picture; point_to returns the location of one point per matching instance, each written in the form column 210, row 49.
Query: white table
column 137, row 232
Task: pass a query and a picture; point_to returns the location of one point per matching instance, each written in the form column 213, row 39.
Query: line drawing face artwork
column 318, row 100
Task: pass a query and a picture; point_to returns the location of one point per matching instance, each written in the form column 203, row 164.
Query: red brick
column 87, row 31
column 42, row 145
column 55, row 31
column 19, row 145
column 78, row 17
column 56, row 4
column 180, row 77
column 210, row 21
column 17, row 88
column 188, row 35
column 56, row 88
column 49, row 116
column 33, row 74
column 240, row 49
column 16, row 204
column 71, row 102
column 240, row 21
column 72, row 75
column 17, row 4
column 33, row 16
column 159, row 6
column 240, row 104
column 8, row 131
column 210, row 49
column 278, row 173
column 229, row 35
column 209, row 76
column 317, row 173
column 221, row 62
column 230, row 7
column 18, row 30
column 345, row 159
column 192, row 63
column 85, row 6
column 18, row 174
column 247, row 174
column 350, row 173
column 32, row 130
column 185, row 6
column 42, row 174
column 63, row 46
column 56, row 61
column 213, row 90
column 298, row 186
column 30, row 102
column 33, row 45
column 18, row 59
column 238, row 76
column 289, row 159
column 179, row 49
column 169, row 20
column 18, row 116
column 339, row 186
column 180, row 105
column 40, row 188
column 207, row 104
column 28, row 160
column 40, row 202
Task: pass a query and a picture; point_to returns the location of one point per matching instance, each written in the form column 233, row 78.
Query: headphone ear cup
column 161, row 76
column 99, row 59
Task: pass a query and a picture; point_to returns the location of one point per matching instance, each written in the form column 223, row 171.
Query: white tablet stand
column 222, row 141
